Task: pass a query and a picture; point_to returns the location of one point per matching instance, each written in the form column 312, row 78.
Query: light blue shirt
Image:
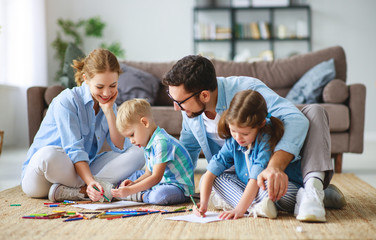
column 232, row 154
column 193, row 135
column 164, row 148
column 71, row 123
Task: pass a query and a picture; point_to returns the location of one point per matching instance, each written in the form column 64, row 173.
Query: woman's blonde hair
column 98, row 61
column 248, row 109
column 131, row 112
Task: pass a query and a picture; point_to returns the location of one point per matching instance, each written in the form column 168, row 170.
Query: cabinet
column 229, row 32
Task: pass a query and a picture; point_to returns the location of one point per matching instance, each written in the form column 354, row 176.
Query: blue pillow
column 308, row 89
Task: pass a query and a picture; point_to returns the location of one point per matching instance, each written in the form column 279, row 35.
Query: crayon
column 15, row 205
column 174, row 212
column 135, row 215
column 53, row 205
column 73, row 219
column 178, row 209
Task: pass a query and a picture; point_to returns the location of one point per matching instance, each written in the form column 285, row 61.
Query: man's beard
column 196, row 114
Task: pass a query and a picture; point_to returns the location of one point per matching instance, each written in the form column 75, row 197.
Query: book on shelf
column 210, row 31
column 264, row 30
column 255, row 30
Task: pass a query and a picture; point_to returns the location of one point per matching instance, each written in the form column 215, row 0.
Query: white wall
column 161, row 30
column 350, row 24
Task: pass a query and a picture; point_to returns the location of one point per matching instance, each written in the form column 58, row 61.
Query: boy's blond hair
column 131, row 112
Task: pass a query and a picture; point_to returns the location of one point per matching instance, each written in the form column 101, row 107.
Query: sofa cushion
column 157, row 69
column 308, row 89
column 338, row 114
column 51, row 92
column 335, row 91
column 135, row 83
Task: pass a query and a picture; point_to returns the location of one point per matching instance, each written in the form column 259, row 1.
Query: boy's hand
column 200, row 212
column 121, row 192
column 233, row 214
column 126, row 182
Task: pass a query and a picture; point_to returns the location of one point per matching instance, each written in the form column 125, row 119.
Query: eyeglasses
column 181, row 102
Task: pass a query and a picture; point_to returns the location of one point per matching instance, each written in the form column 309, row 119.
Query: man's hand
column 277, row 182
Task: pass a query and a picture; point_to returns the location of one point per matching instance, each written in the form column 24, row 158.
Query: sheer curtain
column 23, row 49
column 23, row 63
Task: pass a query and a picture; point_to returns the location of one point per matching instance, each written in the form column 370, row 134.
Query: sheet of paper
column 210, row 217
column 118, row 204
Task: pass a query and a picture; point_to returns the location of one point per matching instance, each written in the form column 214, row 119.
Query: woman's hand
column 233, row 214
column 200, row 212
column 94, row 194
column 108, row 105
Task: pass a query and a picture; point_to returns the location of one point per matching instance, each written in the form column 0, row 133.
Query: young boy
column 168, row 178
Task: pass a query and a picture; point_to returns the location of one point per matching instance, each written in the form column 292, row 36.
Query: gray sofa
column 344, row 103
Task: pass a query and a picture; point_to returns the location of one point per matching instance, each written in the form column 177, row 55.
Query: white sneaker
column 58, row 193
column 265, row 208
column 309, row 205
column 218, row 202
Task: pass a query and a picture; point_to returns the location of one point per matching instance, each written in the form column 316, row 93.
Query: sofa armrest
column 35, row 109
column 357, row 104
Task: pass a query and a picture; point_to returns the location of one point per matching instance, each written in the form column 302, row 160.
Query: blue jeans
column 161, row 194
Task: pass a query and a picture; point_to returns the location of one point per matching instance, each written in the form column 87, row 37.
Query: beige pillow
column 336, row 91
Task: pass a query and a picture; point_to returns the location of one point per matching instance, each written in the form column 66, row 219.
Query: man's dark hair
column 195, row 72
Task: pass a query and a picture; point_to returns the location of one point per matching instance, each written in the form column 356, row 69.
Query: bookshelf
column 239, row 28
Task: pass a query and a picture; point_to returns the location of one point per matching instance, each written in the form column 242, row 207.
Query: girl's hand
column 233, row 214
column 108, row 105
column 94, row 194
column 200, row 212
column 121, row 192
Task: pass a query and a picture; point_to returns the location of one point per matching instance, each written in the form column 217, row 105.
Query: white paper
column 210, row 217
column 118, row 204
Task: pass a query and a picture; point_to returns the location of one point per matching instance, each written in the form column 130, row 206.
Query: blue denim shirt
column 71, row 123
column 193, row 135
column 232, row 154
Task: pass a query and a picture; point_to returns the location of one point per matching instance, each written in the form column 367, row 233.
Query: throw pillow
column 71, row 53
column 308, row 89
column 135, row 83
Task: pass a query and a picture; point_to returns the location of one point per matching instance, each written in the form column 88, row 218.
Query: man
column 202, row 98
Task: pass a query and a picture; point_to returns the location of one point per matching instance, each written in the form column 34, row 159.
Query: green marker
column 179, row 209
column 15, row 205
column 103, row 194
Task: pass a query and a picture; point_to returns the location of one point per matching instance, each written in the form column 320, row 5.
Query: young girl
column 65, row 154
column 251, row 135
column 168, row 178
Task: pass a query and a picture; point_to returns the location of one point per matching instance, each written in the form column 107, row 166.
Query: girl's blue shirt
column 71, row 124
column 232, row 154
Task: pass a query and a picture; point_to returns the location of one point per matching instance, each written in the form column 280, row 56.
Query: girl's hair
column 131, row 112
column 248, row 109
column 98, row 61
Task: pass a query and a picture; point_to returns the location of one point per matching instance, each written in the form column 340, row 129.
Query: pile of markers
column 66, row 215
column 65, row 203
column 109, row 215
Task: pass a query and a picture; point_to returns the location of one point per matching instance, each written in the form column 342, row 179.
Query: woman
column 65, row 154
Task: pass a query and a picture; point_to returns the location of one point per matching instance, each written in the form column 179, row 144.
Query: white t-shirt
column 211, row 127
